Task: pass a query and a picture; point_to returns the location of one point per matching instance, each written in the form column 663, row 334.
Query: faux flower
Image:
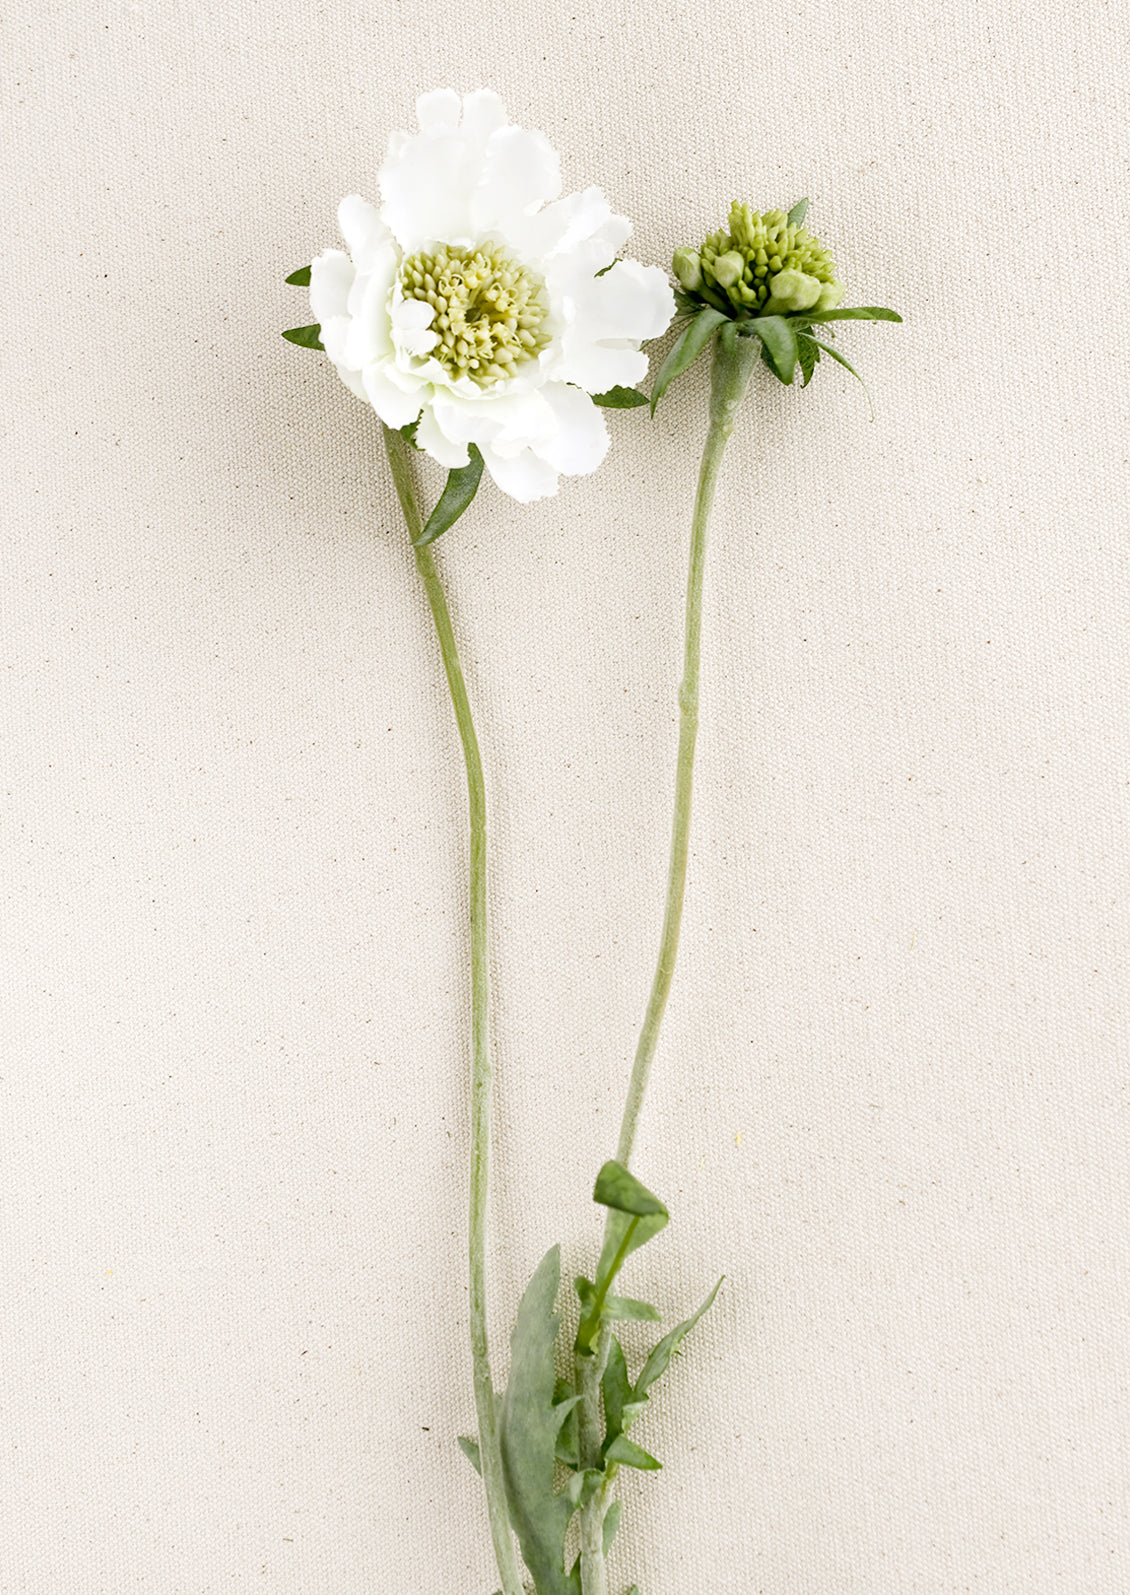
column 481, row 307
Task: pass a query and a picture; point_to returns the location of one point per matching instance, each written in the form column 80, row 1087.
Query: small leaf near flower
column 299, row 278
column 462, row 483
column 798, row 213
column 836, row 355
column 620, row 399
column 305, row 337
column 860, row 313
column 779, row 342
column 686, row 350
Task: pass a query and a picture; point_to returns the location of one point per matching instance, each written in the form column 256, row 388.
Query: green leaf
column 836, row 355
column 859, row 313
column 567, row 1436
column 798, row 213
column 528, row 1429
column 408, row 432
column 616, row 1187
column 631, row 1455
column 470, row 1449
column 656, row 1364
column 610, row 1525
column 779, row 342
column 305, row 337
column 581, row 1488
column 300, row 278
column 808, row 353
column 462, row 483
column 616, row 1388
column 620, row 399
column 686, row 350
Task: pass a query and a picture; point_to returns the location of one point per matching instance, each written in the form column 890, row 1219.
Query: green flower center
column 489, row 310
column 741, row 264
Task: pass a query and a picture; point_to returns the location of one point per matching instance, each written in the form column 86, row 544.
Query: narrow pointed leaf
column 620, row 399
column 808, row 353
column 779, row 342
column 656, row 1364
column 470, row 1449
column 616, row 1388
column 624, row 1309
column 610, row 1525
column 836, row 355
column 859, row 313
column 300, row 278
column 631, row 1455
column 305, row 337
column 462, row 483
column 798, row 213
column 529, row 1424
column 686, row 350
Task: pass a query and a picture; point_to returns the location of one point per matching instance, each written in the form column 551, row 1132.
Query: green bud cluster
column 489, row 310
column 763, row 266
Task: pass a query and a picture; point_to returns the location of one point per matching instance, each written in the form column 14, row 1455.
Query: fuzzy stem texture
column 734, row 360
column 490, row 1455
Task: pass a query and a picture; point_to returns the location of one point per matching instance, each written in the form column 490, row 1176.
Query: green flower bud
column 687, row 268
column 791, row 290
column 831, row 296
column 728, row 268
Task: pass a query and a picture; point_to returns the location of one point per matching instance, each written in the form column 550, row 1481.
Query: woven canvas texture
column 890, row 1100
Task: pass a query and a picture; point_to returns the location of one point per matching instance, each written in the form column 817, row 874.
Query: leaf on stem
column 858, row 313
column 620, row 399
column 305, row 337
column 836, row 355
column 470, row 1449
column 529, row 1423
column 299, row 278
column 616, row 1187
column 657, row 1362
column 686, row 349
column 609, row 1527
column 808, row 353
column 458, row 492
column 630, row 1455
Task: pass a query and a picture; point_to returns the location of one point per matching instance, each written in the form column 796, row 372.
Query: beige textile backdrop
column 890, row 1104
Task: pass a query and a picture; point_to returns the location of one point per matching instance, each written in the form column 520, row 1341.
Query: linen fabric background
column 890, row 1101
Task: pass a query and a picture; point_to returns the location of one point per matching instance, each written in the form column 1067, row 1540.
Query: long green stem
column 490, row 1456
column 734, row 359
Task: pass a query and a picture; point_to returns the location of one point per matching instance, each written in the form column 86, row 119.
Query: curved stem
column 490, row 1456
column 734, row 359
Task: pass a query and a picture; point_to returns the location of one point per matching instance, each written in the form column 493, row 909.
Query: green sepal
column 836, row 355
column 620, row 399
column 808, row 355
column 305, row 337
column 458, row 492
column 299, row 278
column 686, row 349
column 799, row 211
column 408, row 432
column 656, row 1364
column 630, row 1455
column 778, row 342
column 470, row 1449
column 529, row 1424
column 609, row 1526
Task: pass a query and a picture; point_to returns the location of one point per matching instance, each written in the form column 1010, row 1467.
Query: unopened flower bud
column 792, row 290
column 687, row 266
column 831, row 296
column 728, row 268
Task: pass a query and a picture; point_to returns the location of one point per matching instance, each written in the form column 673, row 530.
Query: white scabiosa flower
column 477, row 303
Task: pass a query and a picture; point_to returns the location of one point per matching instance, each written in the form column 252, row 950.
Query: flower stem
column 734, row 359
column 490, row 1456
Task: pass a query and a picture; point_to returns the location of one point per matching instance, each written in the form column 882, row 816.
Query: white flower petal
column 438, row 111
column 523, row 476
column 435, row 442
column 366, row 236
column 426, row 189
column 596, row 367
column 630, row 301
column 331, row 278
column 581, row 440
column 578, row 233
column 520, row 172
column 395, row 407
column 411, row 322
column 483, row 114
